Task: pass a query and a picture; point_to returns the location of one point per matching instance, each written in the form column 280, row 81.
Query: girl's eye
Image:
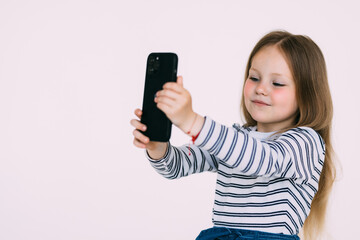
column 278, row 84
column 254, row 79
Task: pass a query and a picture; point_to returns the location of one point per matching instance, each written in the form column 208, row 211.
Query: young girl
column 275, row 168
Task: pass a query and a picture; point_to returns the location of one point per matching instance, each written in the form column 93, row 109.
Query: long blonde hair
column 308, row 67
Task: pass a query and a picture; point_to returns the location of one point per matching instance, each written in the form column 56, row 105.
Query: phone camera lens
column 154, row 64
column 151, row 59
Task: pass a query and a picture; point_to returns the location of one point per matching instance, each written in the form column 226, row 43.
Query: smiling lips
column 260, row 103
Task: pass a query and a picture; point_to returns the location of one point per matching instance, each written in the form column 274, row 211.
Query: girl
column 275, row 168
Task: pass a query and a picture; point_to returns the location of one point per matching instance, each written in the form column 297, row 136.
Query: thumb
column 180, row 81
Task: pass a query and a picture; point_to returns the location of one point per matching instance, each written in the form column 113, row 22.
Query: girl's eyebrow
column 277, row 74
column 254, row 69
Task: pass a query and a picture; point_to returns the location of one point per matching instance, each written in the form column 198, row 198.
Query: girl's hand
column 140, row 140
column 175, row 101
column 156, row 150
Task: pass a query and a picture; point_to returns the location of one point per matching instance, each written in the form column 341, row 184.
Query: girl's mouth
column 260, row 103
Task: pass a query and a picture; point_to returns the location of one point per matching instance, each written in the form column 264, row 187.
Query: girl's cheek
column 284, row 97
column 249, row 86
column 280, row 96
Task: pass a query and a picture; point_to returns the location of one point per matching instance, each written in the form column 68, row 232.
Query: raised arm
column 298, row 153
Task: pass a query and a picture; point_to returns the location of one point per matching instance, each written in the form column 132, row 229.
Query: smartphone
column 160, row 68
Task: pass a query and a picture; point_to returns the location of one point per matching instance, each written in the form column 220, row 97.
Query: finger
column 180, row 81
column 139, row 144
column 168, row 93
column 174, row 87
column 165, row 108
column 141, row 137
column 166, row 100
column 138, row 125
column 138, row 112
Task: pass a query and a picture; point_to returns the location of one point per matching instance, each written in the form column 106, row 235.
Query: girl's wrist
column 194, row 128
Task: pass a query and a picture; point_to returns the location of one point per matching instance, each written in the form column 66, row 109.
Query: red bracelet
column 192, row 125
column 193, row 138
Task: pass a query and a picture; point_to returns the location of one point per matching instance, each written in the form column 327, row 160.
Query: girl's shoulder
column 309, row 133
column 306, row 131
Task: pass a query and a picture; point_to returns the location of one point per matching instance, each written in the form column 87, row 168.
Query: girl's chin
column 260, row 118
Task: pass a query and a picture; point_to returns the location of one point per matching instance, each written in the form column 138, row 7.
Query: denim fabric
column 222, row 233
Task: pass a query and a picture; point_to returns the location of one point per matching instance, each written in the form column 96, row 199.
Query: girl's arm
column 170, row 161
column 298, row 153
column 183, row 161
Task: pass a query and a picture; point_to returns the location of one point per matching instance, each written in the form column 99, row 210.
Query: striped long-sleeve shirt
column 265, row 182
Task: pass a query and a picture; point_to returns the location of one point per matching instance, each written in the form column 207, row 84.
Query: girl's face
column 269, row 91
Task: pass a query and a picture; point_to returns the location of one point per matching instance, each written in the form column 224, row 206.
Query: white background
column 72, row 73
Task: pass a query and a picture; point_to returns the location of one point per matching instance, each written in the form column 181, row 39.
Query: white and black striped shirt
column 265, row 182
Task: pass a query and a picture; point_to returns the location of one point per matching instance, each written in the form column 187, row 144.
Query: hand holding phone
column 156, row 150
column 161, row 68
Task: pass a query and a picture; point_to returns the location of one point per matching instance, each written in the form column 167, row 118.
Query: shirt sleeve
column 298, row 153
column 183, row 161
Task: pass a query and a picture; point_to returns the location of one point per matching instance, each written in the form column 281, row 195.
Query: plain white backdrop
column 72, row 73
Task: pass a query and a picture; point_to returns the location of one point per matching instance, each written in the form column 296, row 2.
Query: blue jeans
column 222, row 233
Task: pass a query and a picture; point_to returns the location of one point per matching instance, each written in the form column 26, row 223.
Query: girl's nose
column 261, row 89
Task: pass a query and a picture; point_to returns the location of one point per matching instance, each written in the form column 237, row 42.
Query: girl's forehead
column 270, row 59
column 271, row 52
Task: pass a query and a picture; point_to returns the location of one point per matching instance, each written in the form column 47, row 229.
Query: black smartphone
column 160, row 68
